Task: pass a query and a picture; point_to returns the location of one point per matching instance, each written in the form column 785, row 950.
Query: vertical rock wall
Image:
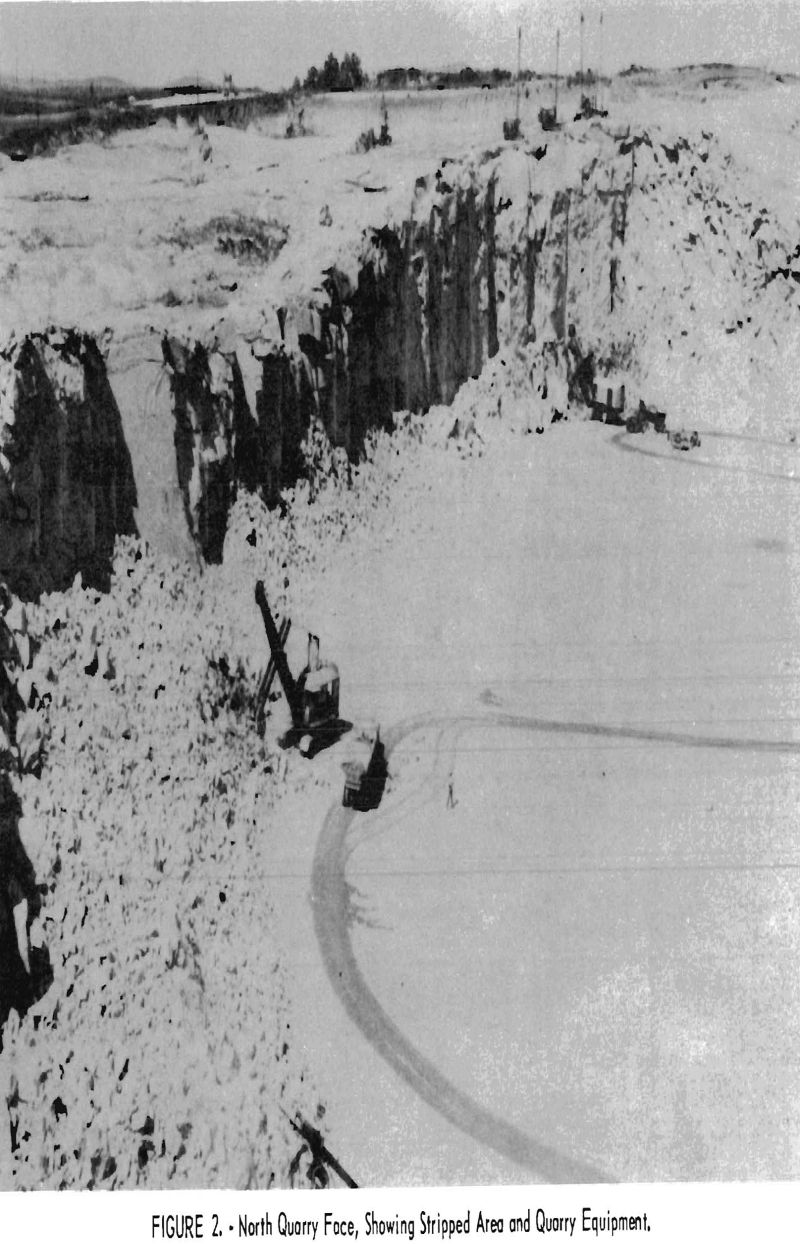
column 216, row 445
column 416, row 320
column 66, row 483
column 419, row 310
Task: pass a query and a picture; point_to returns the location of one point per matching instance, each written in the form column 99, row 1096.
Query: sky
column 267, row 42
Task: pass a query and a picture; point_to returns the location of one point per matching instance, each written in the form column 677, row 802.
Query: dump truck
column 364, row 769
column 313, row 697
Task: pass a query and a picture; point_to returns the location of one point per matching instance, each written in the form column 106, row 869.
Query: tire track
column 622, row 441
column 330, row 898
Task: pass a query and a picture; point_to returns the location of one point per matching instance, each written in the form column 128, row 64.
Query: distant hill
column 75, row 85
column 99, row 84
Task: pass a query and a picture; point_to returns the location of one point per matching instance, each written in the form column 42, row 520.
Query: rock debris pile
column 161, row 1052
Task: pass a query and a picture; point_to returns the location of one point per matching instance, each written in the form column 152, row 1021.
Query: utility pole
column 581, row 28
column 530, row 261
column 600, row 66
column 558, row 43
column 519, row 64
column 612, row 271
column 566, row 265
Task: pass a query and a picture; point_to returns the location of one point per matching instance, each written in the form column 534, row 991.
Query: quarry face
column 512, row 428
column 182, row 302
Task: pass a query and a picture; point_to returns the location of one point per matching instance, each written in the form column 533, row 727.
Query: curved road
column 632, row 444
column 330, row 898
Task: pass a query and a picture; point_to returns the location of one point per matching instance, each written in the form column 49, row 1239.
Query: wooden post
column 566, row 268
column 528, row 248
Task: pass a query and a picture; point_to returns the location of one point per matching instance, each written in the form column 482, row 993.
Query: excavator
column 313, row 697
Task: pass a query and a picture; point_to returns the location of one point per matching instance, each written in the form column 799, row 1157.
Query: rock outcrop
column 216, row 445
column 403, row 330
column 155, row 435
column 66, row 484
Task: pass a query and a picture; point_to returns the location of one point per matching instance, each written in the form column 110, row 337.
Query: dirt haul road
column 335, row 914
column 584, row 970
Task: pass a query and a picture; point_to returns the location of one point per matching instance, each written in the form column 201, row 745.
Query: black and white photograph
column 399, row 596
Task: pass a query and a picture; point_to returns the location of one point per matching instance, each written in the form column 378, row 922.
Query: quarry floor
column 587, row 968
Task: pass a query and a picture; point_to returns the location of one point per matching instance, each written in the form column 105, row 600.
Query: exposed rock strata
column 66, row 484
column 402, row 324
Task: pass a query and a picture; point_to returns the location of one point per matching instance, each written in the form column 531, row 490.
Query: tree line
column 335, row 75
